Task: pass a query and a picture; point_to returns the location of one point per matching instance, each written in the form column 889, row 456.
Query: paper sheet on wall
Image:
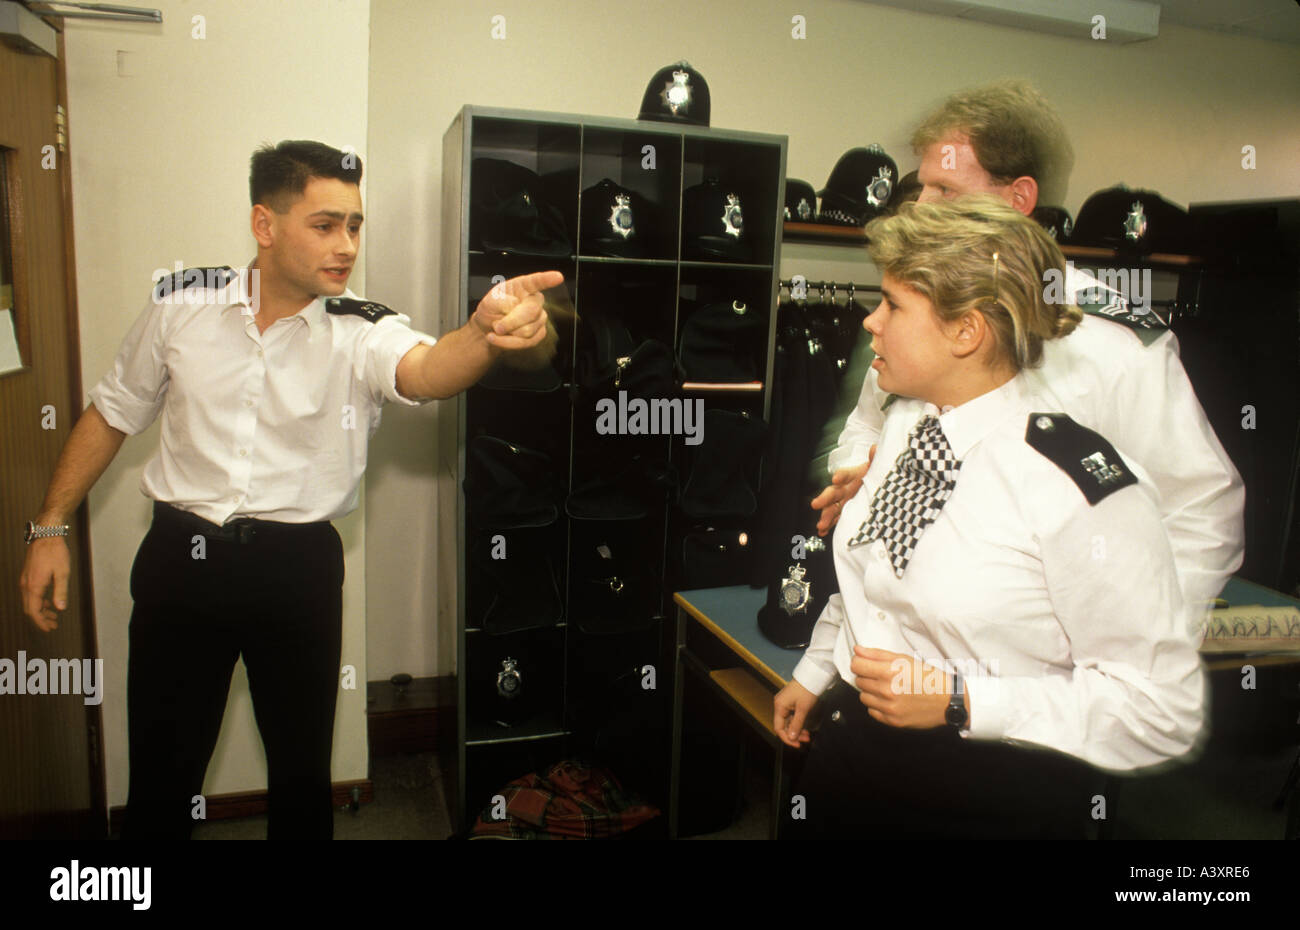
column 1252, row 628
column 10, row 358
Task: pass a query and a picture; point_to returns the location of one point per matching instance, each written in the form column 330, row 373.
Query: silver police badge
column 795, row 592
column 620, row 216
column 804, row 209
column 733, row 222
column 1105, row 473
column 677, row 93
column 1135, row 224
column 880, row 187
column 509, row 681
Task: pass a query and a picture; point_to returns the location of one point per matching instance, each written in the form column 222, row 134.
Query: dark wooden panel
column 46, row 764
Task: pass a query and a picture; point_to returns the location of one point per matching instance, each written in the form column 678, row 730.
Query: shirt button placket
column 247, row 428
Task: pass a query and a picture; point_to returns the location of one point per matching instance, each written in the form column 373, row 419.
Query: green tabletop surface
column 735, row 610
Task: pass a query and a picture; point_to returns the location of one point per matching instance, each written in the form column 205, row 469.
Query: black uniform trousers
column 864, row 779
column 272, row 595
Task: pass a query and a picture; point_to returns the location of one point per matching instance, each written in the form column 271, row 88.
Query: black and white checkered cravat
column 912, row 495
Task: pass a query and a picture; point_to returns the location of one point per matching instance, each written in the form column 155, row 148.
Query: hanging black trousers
column 866, row 780
column 270, row 592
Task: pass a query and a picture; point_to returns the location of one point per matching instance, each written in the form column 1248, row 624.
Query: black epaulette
column 1091, row 462
column 366, row 309
column 214, row 277
column 1147, row 325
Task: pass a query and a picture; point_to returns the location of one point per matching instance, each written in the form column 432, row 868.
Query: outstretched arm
column 510, row 318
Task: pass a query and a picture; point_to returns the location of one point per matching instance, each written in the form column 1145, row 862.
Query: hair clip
column 996, row 266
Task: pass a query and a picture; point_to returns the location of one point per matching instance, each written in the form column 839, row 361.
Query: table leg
column 675, row 768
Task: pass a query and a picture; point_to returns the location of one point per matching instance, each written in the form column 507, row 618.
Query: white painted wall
column 1171, row 114
column 161, row 127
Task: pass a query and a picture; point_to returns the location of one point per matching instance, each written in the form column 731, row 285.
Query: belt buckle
column 245, row 530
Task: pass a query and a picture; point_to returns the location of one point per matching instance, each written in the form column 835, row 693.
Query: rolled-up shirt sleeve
column 816, row 670
column 382, row 347
column 131, row 395
column 1133, row 694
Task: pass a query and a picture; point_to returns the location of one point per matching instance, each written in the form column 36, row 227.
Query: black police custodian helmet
column 1056, row 220
column 676, row 94
column 800, row 201
column 1134, row 221
column 860, row 187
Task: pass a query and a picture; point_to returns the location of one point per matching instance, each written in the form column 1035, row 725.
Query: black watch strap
column 955, row 714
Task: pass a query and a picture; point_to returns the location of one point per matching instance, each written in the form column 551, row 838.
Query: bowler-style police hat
column 860, row 187
column 1056, row 221
column 676, row 94
column 713, row 223
column 1136, row 221
column 796, row 600
column 511, row 212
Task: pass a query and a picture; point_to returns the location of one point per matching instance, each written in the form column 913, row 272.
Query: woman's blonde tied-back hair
column 945, row 251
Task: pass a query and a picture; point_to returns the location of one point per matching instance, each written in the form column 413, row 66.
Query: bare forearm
column 456, row 362
column 89, row 449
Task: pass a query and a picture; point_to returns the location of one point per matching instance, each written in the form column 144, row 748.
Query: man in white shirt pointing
column 270, row 380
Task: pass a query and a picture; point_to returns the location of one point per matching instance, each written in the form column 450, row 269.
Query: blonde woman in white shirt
column 1009, row 619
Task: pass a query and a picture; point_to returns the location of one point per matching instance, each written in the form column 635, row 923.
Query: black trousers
column 275, row 599
column 866, row 780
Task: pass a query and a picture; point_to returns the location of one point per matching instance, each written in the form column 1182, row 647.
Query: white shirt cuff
column 991, row 713
column 813, row 676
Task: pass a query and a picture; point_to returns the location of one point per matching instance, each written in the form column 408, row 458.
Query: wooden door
column 51, row 761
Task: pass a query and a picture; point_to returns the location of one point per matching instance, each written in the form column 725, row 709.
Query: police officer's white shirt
column 272, row 425
column 1065, row 618
column 1139, row 398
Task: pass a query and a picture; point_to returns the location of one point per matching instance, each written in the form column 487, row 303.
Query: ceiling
column 1276, row 20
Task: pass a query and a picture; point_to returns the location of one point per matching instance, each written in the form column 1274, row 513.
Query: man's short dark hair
column 278, row 174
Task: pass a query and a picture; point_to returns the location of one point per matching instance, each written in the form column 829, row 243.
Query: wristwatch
column 41, row 532
column 795, row 592
column 955, row 712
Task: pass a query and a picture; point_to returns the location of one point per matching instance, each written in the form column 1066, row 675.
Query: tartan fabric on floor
column 571, row 801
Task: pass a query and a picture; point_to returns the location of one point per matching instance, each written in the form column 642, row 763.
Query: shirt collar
column 244, row 293
column 967, row 424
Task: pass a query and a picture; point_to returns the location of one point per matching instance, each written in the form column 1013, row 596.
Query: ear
column 967, row 333
column 1024, row 194
column 262, row 223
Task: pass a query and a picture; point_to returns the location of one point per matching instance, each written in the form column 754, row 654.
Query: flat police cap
column 217, row 276
column 1091, row 462
column 511, row 211
column 368, row 310
column 720, row 343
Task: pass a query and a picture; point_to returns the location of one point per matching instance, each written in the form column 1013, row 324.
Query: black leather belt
column 241, row 530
